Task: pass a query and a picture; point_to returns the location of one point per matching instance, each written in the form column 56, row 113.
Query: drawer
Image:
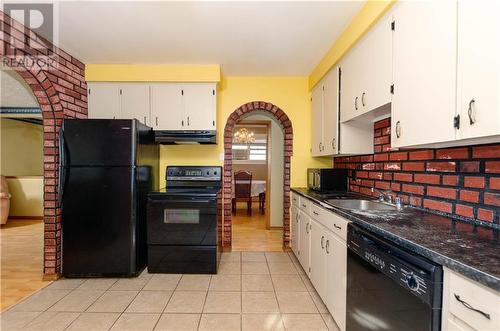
column 331, row 221
column 472, row 295
column 305, row 205
column 295, row 199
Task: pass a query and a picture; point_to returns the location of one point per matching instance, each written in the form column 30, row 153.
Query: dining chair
column 242, row 190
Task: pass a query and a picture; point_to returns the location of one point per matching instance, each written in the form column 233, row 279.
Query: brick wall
column 61, row 92
column 460, row 181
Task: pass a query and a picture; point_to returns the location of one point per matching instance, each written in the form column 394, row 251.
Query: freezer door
column 99, row 142
column 99, row 227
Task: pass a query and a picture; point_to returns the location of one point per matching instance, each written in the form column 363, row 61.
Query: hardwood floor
column 21, row 260
column 250, row 233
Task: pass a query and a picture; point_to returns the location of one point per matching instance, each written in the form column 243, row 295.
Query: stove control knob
column 411, row 281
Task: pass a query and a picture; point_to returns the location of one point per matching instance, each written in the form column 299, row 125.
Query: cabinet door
column 317, row 120
column 104, row 100
column 304, row 241
column 336, row 273
column 424, row 72
column 351, row 81
column 376, row 68
column 295, row 230
column 331, row 112
column 135, row 102
column 167, row 109
column 317, row 263
column 200, row 106
column 478, row 69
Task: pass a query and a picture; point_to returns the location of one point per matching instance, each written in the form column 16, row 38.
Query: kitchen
column 402, row 117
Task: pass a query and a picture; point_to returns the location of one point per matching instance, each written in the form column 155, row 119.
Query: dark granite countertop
column 463, row 247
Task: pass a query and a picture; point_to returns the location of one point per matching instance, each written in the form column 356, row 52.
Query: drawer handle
column 307, row 228
column 468, row 306
column 322, row 242
column 315, row 213
column 337, row 227
column 328, row 246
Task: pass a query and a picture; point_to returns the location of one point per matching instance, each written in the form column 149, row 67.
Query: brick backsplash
column 459, row 181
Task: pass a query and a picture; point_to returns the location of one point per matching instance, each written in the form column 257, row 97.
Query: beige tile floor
column 253, row 291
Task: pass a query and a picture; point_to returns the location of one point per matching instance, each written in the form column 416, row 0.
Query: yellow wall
column 152, row 72
column 291, row 94
column 21, row 148
column 361, row 23
column 27, row 196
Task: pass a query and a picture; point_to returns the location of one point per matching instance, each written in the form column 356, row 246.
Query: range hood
column 177, row 137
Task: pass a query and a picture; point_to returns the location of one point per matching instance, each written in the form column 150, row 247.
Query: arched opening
column 59, row 86
column 256, row 107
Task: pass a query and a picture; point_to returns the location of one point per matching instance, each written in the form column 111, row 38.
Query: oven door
column 182, row 220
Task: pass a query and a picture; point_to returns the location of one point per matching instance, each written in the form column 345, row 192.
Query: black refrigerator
column 107, row 167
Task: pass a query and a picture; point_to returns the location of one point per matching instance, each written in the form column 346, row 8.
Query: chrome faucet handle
column 399, row 204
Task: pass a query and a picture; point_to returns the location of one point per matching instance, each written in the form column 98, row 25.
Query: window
column 250, row 144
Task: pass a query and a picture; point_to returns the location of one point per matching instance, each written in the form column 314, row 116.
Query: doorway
column 285, row 124
column 22, row 190
column 257, row 154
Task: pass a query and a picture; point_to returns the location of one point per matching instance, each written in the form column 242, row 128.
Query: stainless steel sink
column 355, row 204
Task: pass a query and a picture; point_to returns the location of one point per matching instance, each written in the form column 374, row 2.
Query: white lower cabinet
column 304, row 241
column 318, row 258
column 467, row 305
column 295, row 230
column 336, row 278
column 322, row 252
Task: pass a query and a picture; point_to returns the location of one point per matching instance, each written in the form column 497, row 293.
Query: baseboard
column 51, row 277
column 25, row 218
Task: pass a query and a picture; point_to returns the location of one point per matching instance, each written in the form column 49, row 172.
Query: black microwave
column 327, row 180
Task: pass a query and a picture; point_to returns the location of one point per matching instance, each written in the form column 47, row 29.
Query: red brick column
column 286, row 124
column 61, row 92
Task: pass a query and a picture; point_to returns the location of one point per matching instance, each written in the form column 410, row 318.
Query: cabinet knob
column 472, row 118
column 398, row 129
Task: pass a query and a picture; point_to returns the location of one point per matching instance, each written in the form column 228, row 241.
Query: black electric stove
column 182, row 222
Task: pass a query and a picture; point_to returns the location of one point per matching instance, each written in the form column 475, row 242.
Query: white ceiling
column 245, row 38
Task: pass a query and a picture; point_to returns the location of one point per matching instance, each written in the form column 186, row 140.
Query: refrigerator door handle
column 62, row 168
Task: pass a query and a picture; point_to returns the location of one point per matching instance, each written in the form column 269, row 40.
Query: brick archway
column 286, row 124
column 61, row 92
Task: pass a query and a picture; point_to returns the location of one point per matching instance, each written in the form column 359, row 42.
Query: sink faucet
column 383, row 195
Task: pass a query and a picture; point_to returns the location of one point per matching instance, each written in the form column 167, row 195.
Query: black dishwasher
column 389, row 288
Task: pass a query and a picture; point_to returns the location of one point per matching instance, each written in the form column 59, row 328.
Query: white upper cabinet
column 103, row 100
column 424, row 72
column 135, row 102
column 478, row 85
column 367, row 73
column 325, row 114
column 200, row 106
column 330, row 112
column 167, row 109
column 317, row 120
column 163, row 106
